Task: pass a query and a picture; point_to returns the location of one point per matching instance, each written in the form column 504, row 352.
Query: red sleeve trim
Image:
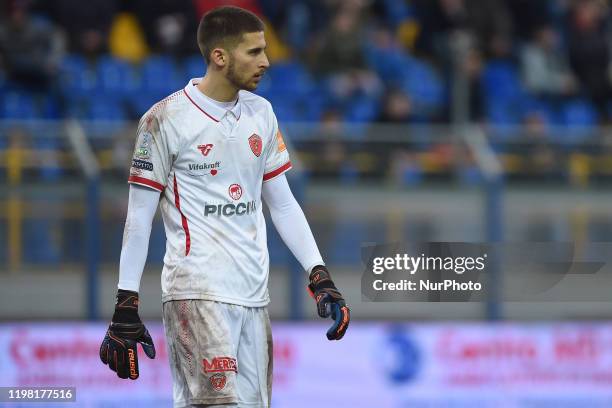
column 146, row 182
column 276, row 172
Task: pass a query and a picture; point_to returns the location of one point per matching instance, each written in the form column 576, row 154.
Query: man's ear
column 219, row 57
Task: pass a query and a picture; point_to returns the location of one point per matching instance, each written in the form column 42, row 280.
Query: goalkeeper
column 207, row 155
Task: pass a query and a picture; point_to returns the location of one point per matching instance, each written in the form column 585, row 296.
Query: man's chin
column 249, row 87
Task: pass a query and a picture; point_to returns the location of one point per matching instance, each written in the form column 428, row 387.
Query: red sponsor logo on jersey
column 220, row 364
column 218, row 381
column 235, row 191
column 255, row 143
column 205, row 148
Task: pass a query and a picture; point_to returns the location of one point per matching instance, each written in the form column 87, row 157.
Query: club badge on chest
column 256, row 144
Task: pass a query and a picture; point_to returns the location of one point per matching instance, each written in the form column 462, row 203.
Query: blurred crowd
column 343, row 64
column 519, row 61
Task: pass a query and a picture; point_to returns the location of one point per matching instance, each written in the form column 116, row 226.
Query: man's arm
column 142, row 205
column 291, row 224
column 118, row 349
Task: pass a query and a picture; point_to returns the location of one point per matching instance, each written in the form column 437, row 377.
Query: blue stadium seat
column 390, row 64
column 501, row 81
column 17, row 105
column 142, row 101
column 313, row 104
column 579, row 117
column 425, row 86
column 397, row 11
column 294, row 94
column 297, row 108
column 290, row 76
column 106, row 109
column 543, row 109
column 159, row 74
column 362, row 109
column 116, row 77
column 502, row 113
column 285, row 113
column 109, row 114
column 505, row 98
column 579, row 113
column 78, row 77
column 194, row 67
column 158, row 77
column 47, row 106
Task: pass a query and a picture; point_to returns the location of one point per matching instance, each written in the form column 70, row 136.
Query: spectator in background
column 481, row 19
column 540, row 157
column 487, row 19
column 472, row 67
column 439, row 19
column 397, row 107
column 169, row 25
column 544, row 67
column 329, row 153
column 499, row 49
column 589, row 51
column 528, row 16
column 338, row 48
column 339, row 55
column 30, row 50
column 87, row 23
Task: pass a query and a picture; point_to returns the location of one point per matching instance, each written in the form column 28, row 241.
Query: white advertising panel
column 375, row 365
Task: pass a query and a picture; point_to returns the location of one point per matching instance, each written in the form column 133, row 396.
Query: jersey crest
column 256, row 144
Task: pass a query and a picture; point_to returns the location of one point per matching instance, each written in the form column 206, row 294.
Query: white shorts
column 219, row 353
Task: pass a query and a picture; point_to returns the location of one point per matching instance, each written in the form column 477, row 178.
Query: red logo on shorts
column 218, row 381
column 220, row 364
column 235, row 191
column 205, row 148
column 255, row 143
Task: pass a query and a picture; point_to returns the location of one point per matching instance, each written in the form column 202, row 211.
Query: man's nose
column 264, row 62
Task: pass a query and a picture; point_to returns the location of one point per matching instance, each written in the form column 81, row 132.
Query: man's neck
column 217, row 88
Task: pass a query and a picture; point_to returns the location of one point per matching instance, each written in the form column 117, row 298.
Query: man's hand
column 329, row 302
column 118, row 348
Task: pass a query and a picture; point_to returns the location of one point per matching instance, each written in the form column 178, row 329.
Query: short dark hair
column 225, row 26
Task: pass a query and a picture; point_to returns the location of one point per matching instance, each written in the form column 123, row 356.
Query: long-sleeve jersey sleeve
column 290, row 222
column 142, row 205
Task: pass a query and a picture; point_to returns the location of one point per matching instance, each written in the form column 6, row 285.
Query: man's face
column 248, row 61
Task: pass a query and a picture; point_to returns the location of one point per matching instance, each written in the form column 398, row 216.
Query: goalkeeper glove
column 118, row 348
column 329, row 302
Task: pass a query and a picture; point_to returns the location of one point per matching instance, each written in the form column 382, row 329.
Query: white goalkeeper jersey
column 210, row 163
